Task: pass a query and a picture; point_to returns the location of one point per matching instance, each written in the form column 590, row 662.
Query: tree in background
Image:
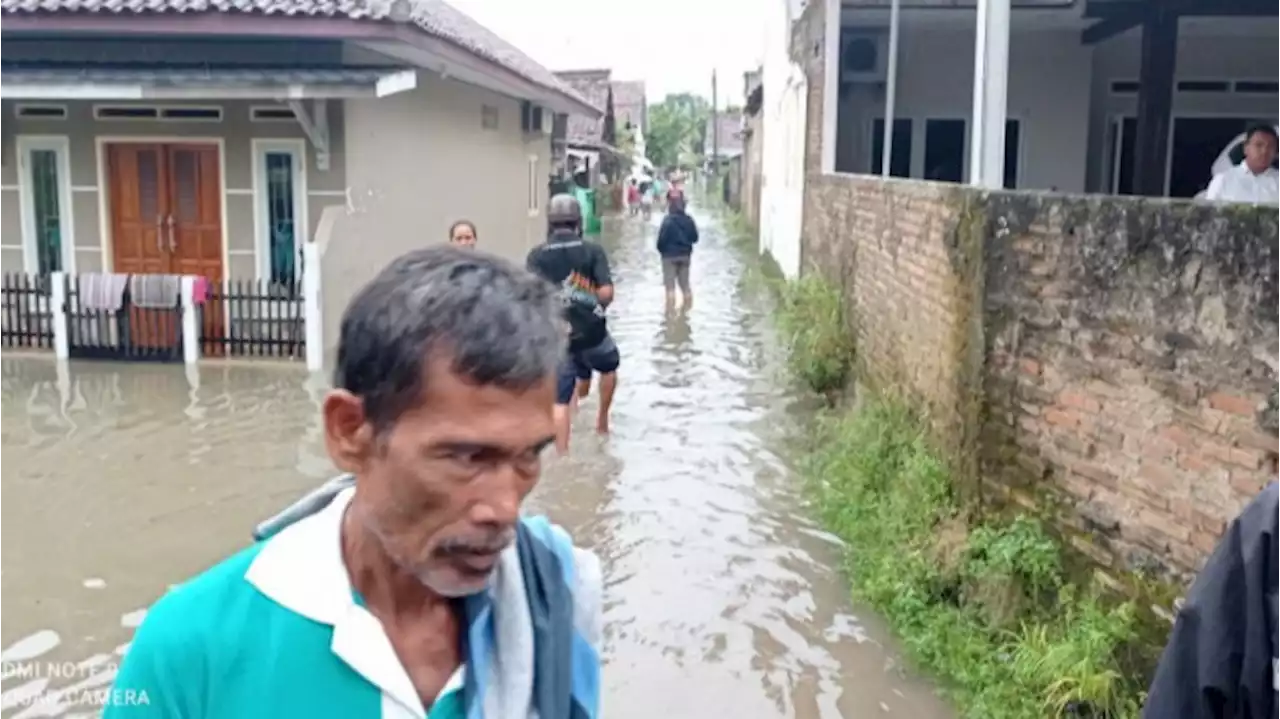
column 677, row 130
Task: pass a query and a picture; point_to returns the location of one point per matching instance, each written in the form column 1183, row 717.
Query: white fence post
column 190, row 321
column 313, row 318
column 58, row 314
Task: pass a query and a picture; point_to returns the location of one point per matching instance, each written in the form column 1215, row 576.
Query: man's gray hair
column 495, row 323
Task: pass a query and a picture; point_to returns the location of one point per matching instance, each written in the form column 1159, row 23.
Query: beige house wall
column 420, row 160
column 85, row 137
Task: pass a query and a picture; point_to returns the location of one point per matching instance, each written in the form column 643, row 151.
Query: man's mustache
column 489, row 544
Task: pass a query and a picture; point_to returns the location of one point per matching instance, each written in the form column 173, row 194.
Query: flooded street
column 722, row 597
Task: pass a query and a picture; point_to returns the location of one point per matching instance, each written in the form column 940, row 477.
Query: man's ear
column 348, row 434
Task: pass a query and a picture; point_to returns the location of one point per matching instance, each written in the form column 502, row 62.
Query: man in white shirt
column 1254, row 180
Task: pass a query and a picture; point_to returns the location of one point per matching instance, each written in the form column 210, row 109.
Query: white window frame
column 261, row 242
column 833, row 20
column 535, row 205
column 60, row 145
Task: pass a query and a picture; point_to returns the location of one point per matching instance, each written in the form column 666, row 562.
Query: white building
column 783, row 110
column 1070, row 77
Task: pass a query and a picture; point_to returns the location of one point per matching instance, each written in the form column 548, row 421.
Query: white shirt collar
column 301, row 569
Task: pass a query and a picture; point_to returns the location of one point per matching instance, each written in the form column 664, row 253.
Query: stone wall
column 1109, row 361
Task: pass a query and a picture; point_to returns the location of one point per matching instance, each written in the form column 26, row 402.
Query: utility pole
column 715, row 125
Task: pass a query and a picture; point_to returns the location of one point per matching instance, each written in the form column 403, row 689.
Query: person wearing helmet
column 581, row 269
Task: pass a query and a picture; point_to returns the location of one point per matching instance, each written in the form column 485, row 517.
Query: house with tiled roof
column 217, row 137
column 631, row 109
column 583, row 141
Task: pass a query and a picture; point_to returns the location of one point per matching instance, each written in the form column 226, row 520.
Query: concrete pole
column 891, row 89
column 715, row 126
column 990, row 94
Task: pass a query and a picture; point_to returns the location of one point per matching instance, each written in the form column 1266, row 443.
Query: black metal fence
column 119, row 329
column 238, row 318
column 28, row 312
column 253, row 318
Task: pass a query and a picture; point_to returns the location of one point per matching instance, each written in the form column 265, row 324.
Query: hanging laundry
column 155, row 292
column 101, row 291
column 201, row 290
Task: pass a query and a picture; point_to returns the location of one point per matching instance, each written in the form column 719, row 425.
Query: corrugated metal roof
column 434, row 17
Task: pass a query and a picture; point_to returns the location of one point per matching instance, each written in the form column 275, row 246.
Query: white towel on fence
column 155, row 292
column 101, row 292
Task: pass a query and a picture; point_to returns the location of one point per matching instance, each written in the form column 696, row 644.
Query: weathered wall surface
column 1109, row 361
column 1131, row 367
column 752, row 162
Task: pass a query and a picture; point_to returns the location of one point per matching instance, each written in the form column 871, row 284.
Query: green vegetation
column 817, row 333
column 676, row 132
column 984, row 603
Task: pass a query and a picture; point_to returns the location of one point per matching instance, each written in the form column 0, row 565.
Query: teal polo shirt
column 274, row 631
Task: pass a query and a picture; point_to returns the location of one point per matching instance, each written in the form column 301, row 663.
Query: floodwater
column 722, row 597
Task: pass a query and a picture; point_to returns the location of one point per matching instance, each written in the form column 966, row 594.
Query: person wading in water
column 580, row 268
column 676, row 238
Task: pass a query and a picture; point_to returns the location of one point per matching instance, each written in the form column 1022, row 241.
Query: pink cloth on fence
column 200, row 290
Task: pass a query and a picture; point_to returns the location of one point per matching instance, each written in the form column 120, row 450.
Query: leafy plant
column 813, row 319
column 877, row 485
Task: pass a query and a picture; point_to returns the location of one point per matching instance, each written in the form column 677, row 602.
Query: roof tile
column 434, row 17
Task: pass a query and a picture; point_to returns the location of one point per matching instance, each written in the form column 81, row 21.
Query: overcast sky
column 672, row 45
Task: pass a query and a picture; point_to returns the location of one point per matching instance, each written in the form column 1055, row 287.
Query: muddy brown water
column 722, row 597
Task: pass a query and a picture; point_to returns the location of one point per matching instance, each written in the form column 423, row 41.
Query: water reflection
column 121, row 478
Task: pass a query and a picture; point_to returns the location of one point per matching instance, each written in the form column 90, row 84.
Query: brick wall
column 1131, row 367
column 1109, row 361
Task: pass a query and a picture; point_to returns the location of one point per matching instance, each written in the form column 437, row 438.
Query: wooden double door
column 165, row 201
column 166, row 208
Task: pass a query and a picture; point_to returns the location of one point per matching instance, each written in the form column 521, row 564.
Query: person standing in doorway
column 580, row 268
column 1254, row 180
column 676, row 238
column 463, row 234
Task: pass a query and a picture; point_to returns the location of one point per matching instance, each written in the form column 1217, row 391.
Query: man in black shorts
column 581, row 269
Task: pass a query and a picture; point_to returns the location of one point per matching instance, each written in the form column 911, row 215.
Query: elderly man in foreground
column 413, row 587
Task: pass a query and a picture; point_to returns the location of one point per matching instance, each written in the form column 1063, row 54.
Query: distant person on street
column 463, row 234
column 660, row 190
column 676, row 238
column 646, row 199
column 580, row 268
column 417, row 588
column 1254, row 180
column 633, row 198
